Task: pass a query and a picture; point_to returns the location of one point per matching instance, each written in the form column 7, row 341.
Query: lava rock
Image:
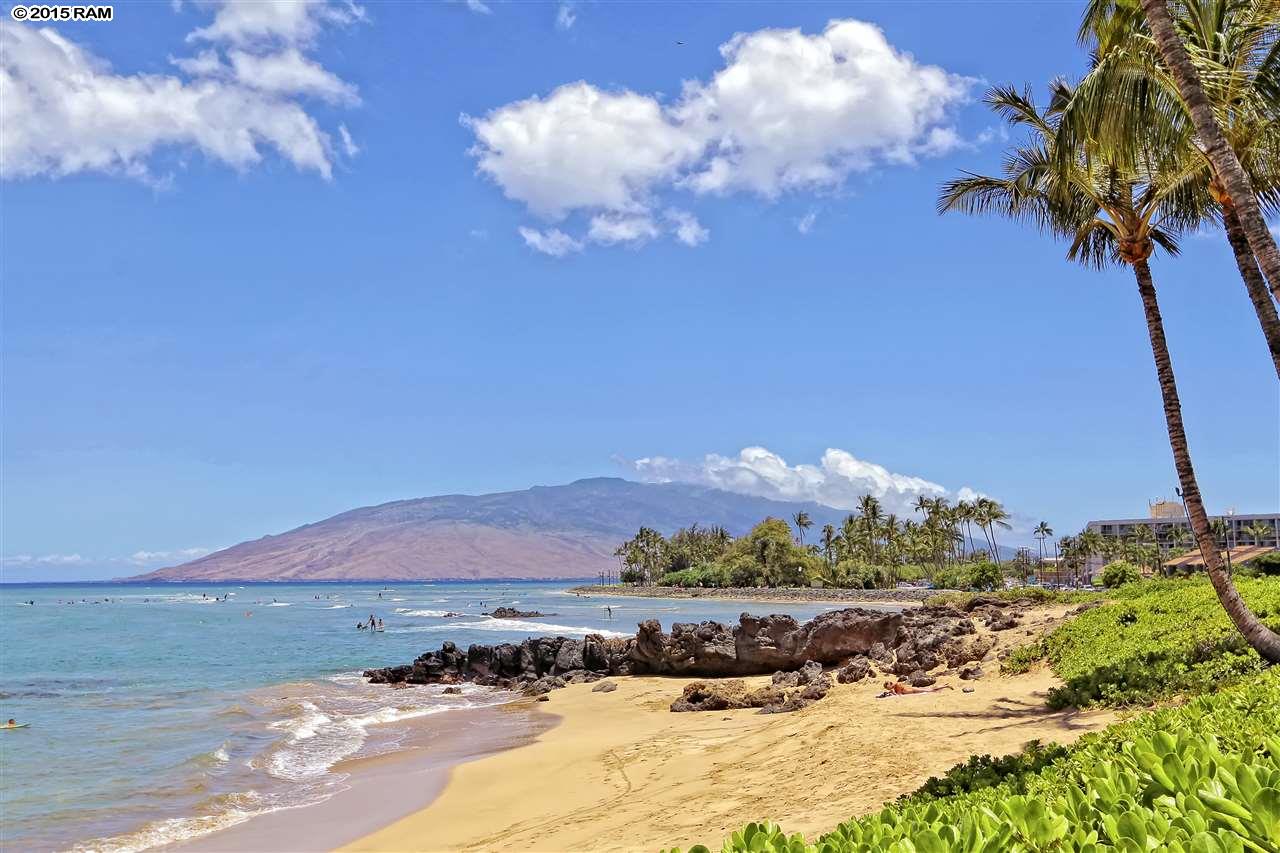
column 855, row 670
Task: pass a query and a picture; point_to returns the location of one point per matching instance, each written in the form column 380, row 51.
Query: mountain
column 567, row 531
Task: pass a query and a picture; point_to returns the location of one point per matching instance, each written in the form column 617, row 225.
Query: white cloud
column 349, row 146
column 553, row 241
column 838, row 480
column 295, row 22
column 805, row 223
column 786, row 112
column 687, row 228
column 64, row 110
column 609, row 228
column 792, row 111
column 288, row 72
column 45, row 560
column 181, row 554
column 580, row 148
column 478, row 7
column 566, row 16
column 206, row 63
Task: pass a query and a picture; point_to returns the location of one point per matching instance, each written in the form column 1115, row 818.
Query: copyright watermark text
column 61, row 13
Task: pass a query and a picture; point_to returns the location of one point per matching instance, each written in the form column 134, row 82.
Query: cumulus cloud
column 788, row 111
column 581, row 148
column 609, row 228
column 687, row 228
column 552, row 241
column 65, row 110
column 243, row 22
column 290, row 73
column 838, row 480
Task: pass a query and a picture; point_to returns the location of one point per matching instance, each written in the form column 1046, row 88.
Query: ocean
column 166, row 712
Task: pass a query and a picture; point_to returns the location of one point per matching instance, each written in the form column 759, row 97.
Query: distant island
column 544, row 533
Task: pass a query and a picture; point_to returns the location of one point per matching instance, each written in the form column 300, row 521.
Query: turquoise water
column 161, row 712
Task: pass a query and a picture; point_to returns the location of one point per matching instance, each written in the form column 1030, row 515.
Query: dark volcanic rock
column 512, row 613
column 760, row 644
column 855, row 670
column 900, row 643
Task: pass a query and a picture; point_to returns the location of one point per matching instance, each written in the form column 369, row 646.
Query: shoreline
column 770, row 595
column 379, row 790
column 620, row 771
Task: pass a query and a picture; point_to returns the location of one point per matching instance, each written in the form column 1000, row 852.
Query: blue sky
column 312, row 292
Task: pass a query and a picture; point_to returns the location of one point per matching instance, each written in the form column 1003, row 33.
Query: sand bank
column 621, row 772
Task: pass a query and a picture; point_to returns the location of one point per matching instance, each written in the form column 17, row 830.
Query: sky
column 267, row 262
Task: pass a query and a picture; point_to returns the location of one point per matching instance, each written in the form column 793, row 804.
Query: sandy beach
column 622, row 772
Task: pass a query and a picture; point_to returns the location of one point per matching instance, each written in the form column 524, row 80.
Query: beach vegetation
column 1203, row 776
column 1150, row 641
column 950, row 546
column 1117, row 573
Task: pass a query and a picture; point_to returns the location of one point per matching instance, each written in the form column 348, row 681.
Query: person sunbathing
column 901, row 688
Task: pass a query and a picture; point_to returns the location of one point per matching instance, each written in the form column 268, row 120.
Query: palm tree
column 829, row 538
column 989, row 516
column 1042, row 531
column 965, row 515
column 1128, row 99
column 1258, row 531
column 1112, row 212
column 1226, row 166
column 803, row 523
column 869, row 506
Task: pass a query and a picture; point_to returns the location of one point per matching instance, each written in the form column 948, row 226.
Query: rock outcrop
column 789, row 691
column 915, row 641
column 512, row 613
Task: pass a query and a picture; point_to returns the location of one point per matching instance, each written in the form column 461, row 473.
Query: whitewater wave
column 337, row 607
column 437, row 614
column 278, row 604
column 511, row 626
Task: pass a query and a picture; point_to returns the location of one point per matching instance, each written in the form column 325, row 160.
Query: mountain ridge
column 543, row 532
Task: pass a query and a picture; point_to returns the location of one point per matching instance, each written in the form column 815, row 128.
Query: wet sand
column 382, row 789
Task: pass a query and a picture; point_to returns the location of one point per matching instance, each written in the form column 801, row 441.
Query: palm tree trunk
column 1226, row 165
column 1253, row 281
column 1258, row 635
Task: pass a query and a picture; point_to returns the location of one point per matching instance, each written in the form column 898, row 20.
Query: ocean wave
column 510, row 626
column 337, row 607
column 437, row 614
column 278, row 604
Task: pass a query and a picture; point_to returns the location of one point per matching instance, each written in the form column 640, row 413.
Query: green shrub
column 984, row 771
column 1267, row 564
column 1153, row 640
column 1201, row 777
column 985, row 576
column 1118, row 573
